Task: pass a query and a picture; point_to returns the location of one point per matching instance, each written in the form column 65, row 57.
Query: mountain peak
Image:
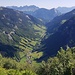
column 54, row 10
column 73, row 11
column 65, row 9
column 24, row 8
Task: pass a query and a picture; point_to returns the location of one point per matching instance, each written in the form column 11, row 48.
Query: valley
column 22, row 32
column 33, row 40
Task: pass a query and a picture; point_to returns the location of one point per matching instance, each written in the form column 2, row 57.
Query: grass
column 28, row 44
column 36, row 55
column 63, row 21
column 40, row 30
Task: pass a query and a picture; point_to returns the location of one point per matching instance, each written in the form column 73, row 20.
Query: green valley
column 31, row 46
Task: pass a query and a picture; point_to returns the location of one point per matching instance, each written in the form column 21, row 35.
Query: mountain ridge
column 19, row 33
column 43, row 14
column 24, row 8
column 61, row 35
column 65, row 9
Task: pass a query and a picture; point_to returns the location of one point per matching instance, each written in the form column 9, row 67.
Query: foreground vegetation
column 62, row 64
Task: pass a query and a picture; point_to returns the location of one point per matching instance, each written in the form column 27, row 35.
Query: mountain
column 65, row 9
column 24, row 8
column 57, row 21
column 45, row 15
column 19, row 33
column 63, row 34
column 22, row 36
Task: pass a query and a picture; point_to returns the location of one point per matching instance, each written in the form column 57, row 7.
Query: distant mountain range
column 34, row 8
column 65, row 9
column 42, row 14
column 24, row 8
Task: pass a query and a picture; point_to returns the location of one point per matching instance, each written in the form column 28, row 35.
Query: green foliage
column 15, row 72
column 62, row 64
column 8, row 63
column 63, row 21
column 3, row 71
column 11, row 67
column 26, row 72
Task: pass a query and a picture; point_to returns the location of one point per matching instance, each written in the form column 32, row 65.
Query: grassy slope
column 28, row 45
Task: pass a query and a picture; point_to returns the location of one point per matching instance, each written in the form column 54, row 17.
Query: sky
column 40, row 3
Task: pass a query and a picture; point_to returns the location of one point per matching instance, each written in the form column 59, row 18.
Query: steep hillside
column 45, row 15
column 59, row 20
column 63, row 36
column 65, row 9
column 19, row 33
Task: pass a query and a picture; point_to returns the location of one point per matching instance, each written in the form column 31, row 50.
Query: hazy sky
column 40, row 3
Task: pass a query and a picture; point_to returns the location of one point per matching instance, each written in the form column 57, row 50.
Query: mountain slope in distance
column 59, row 20
column 65, row 9
column 62, row 37
column 19, row 33
column 42, row 14
column 45, row 14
